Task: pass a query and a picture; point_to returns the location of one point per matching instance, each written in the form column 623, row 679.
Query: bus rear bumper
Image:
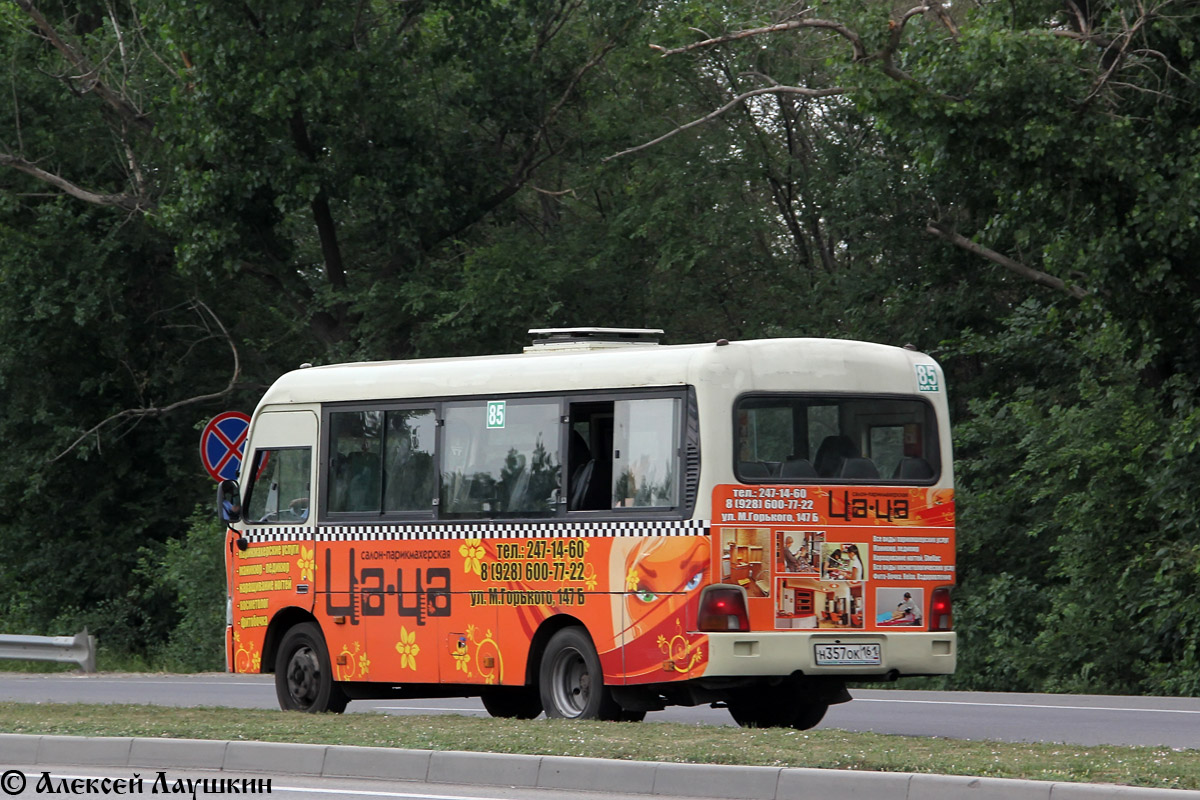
column 785, row 653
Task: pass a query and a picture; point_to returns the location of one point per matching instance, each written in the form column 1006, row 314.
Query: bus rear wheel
column 512, row 702
column 303, row 676
column 571, row 681
column 777, row 714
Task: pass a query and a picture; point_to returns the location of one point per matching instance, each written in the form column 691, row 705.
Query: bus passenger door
column 276, row 570
column 279, row 512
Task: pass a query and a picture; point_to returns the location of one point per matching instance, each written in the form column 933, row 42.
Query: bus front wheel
column 570, row 679
column 303, row 677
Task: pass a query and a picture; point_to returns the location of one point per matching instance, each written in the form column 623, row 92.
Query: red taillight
column 941, row 614
column 723, row 608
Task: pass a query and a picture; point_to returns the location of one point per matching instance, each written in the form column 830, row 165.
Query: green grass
column 829, row 749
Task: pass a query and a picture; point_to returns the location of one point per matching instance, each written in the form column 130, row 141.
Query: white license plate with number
column 834, row 655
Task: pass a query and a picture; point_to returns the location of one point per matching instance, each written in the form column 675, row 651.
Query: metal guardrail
column 78, row 649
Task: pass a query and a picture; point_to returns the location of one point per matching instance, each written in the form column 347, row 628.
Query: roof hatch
column 545, row 339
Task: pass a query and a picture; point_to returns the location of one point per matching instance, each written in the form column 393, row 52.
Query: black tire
column 809, row 716
column 777, row 714
column 513, row 702
column 570, row 680
column 758, row 714
column 303, row 676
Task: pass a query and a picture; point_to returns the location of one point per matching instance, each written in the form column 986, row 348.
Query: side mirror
column 229, row 502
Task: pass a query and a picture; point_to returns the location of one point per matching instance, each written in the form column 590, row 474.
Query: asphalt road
column 1070, row 719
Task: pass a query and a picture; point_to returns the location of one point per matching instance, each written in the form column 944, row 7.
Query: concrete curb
column 545, row 772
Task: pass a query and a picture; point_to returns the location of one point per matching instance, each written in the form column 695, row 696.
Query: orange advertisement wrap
column 834, row 557
column 265, row 578
column 465, row 610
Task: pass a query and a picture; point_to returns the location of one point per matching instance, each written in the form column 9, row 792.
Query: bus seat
column 833, row 450
column 363, row 489
column 578, row 452
column 581, row 466
column 797, row 468
column 580, row 483
column 859, row 469
column 598, row 495
column 753, row 469
column 913, row 468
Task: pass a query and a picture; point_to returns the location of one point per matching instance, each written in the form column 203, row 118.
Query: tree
column 1050, row 151
column 194, row 198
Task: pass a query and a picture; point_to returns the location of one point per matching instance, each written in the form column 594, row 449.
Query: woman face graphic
column 660, row 575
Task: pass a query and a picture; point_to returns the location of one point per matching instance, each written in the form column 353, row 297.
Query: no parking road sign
column 222, row 443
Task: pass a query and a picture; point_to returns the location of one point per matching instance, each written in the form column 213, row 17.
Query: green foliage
column 1079, row 542
column 190, row 572
column 91, row 328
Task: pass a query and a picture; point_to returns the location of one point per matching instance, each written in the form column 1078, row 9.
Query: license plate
column 833, row 655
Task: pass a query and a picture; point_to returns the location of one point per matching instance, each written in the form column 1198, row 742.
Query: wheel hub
column 572, row 683
column 303, row 676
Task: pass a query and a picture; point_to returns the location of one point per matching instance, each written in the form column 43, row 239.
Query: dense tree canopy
column 197, row 197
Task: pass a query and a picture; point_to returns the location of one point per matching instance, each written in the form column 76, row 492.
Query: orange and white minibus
column 598, row 527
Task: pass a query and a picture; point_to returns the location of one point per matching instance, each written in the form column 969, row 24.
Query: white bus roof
column 811, row 365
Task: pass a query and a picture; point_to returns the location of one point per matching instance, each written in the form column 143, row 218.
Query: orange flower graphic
column 472, row 552
column 307, row 564
column 408, row 649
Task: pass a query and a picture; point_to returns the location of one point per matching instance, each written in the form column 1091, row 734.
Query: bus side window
column 279, row 488
column 408, row 460
column 456, row 455
column 580, row 467
column 589, row 456
column 355, row 473
column 506, row 466
column 381, row 461
column 646, row 453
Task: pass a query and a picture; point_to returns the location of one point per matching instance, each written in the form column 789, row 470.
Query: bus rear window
column 836, row 439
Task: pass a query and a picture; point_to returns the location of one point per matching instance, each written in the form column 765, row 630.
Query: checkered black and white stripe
column 480, row 530
column 287, row 533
